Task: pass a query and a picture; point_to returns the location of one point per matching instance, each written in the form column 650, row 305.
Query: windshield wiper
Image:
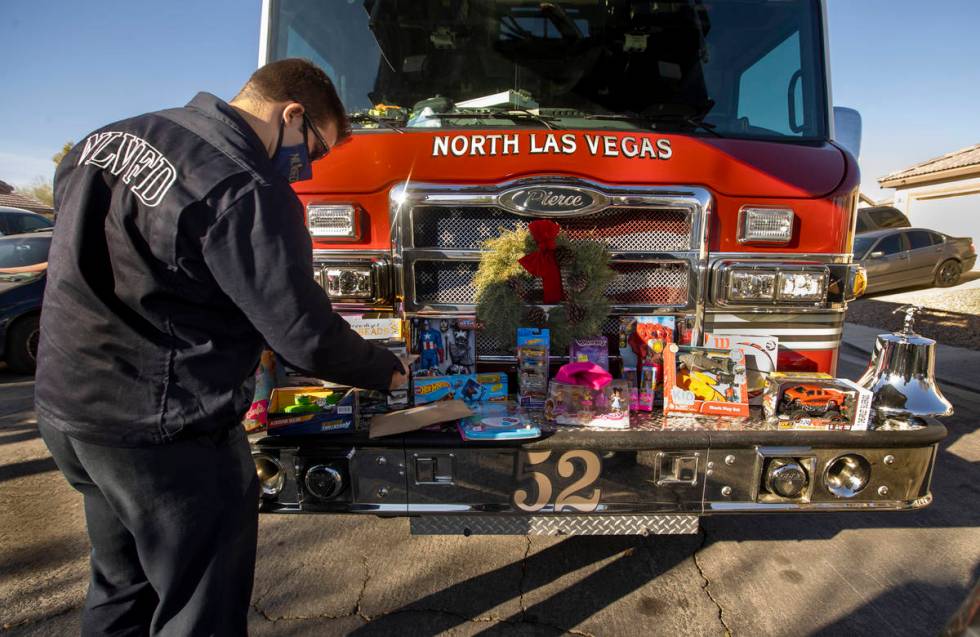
column 511, row 114
column 360, row 118
column 653, row 120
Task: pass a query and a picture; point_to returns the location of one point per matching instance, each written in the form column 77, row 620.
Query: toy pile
column 649, row 370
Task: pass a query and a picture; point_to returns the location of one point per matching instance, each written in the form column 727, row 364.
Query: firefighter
column 180, row 248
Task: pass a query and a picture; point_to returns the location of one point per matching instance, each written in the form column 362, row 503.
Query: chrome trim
column 265, row 32
column 404, row 196
column 792, row 507
column 817, row 257
column 599, row 202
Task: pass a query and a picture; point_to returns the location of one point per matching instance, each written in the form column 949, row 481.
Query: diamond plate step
column 555, row 525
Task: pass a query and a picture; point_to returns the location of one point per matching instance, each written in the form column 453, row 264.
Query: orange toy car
column 814, row 400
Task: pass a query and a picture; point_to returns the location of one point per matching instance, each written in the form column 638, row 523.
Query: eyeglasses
column 323, row 148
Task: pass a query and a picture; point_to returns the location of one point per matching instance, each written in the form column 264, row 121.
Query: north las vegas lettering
column 143, row 168
column 550, row 144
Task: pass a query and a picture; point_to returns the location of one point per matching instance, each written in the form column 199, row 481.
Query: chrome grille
column 619, row 229
column 487, row 345
column 445, row 282
column 635, row 283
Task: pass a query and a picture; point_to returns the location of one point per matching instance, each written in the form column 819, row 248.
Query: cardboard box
column 698, row 380
column 470, row 388
column 325, row 416
column 806, row 400
column 416, row 418
column 761, row 356
column 594, row 349
column 375, row 329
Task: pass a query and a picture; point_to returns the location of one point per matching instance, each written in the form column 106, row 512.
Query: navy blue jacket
column 178, row 251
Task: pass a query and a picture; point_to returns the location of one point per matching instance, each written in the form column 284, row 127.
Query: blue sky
column 910, row 67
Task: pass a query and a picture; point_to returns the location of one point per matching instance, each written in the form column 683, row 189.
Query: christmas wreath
column 570, row 298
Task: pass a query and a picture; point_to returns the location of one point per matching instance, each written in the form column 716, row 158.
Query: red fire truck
column 694, row 138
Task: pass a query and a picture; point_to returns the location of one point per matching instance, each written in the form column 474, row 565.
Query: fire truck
column 696, row 139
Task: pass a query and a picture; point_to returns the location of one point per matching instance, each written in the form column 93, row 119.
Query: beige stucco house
column 942, row 193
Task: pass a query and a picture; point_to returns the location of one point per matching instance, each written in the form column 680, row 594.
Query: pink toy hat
column 584, row 374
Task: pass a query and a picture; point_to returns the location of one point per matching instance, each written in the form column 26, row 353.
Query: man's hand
column 399, row 379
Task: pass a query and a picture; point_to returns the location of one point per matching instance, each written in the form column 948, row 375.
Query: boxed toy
column 470, row 388
column 809, row 400
column 498, row 421
column 761, row 353
column 399, row 397
column 533, row 360
column 699, row 380
column 607, row 407
column 446, row 346
column 312, row 410
column 594, row 349
column 642, row 341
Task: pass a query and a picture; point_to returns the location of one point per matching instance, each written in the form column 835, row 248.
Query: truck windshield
column 732, row 68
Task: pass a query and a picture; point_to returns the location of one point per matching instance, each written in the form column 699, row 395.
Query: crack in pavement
column 707, row 583
column 520, row 585
column 357, row 611
column 360, row 596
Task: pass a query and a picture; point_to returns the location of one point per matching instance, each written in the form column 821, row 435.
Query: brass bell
column 902, row 375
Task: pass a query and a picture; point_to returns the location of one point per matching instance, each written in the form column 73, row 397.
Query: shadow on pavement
column 873, row 617
column 27, row 468
column 946, row 327
column 628, row 571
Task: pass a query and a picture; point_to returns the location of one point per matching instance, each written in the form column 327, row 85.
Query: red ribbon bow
column 542, row 263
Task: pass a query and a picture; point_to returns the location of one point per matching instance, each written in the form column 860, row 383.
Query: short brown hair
column 300, row 80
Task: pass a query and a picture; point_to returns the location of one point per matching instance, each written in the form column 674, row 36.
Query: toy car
column 814, row 400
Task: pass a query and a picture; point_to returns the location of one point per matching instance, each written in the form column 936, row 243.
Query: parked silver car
column 904, row 257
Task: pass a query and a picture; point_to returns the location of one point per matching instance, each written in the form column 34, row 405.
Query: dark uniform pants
column 173, row 530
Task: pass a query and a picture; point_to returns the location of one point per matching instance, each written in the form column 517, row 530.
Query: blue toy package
column 498, row 421
column 470, row 388
column 533, row 360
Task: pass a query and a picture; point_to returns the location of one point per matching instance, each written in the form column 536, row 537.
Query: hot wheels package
column 700, row 380
column 806, row 400
column 533, row 359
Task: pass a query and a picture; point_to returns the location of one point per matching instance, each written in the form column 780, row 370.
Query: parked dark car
column 881, row 217
column 18, row 220
column 20, row 297
column 905, row 257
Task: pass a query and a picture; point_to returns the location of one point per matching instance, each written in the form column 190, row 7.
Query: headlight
column 348, row 282
column 802, row 286
column 751, row 285
column 333, row 221
column 769, row 283
column 765, row 225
